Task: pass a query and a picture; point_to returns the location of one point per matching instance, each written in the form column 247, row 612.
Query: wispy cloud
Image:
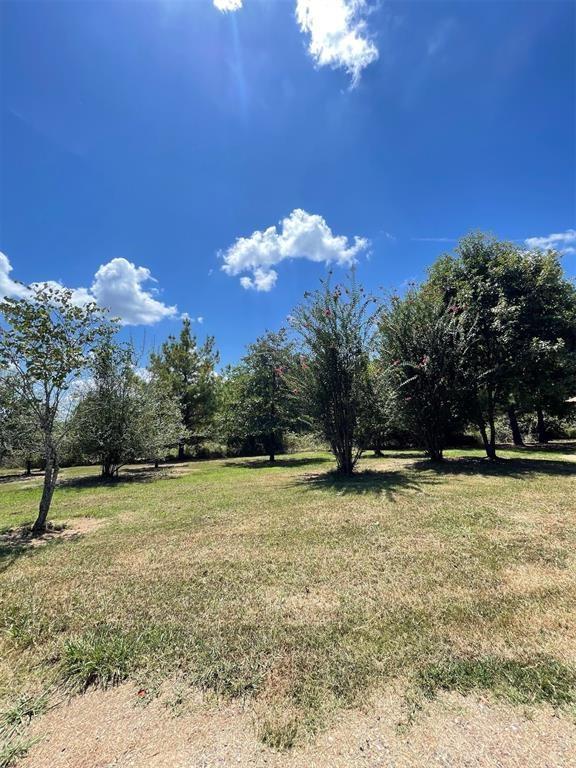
column 301, row 235
column 440, row 36
column 563, row 242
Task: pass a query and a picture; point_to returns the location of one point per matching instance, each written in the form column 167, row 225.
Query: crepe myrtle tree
column 423, row 345
column 335, row 326
column 45, row 341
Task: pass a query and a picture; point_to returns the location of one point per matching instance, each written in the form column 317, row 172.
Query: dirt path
column 115, row 730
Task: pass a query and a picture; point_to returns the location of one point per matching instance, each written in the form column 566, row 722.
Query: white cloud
column 8, row 287
column 563, row 242
column 117, row 285
column 337, row 34
column 227, row 5
column 301, row 235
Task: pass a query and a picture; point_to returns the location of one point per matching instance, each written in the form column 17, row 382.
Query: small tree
column 423, row 346
column 185, row 370
column 336, row 327
column 377, row 421
column 258, row 401
column 106, row 418
column 159, row 421
column 44, row 341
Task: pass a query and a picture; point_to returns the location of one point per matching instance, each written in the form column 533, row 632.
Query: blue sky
column 145, row 138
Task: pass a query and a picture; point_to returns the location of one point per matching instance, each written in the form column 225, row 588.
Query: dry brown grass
column 298, row 593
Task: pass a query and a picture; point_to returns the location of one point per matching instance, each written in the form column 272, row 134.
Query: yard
column 295, row 603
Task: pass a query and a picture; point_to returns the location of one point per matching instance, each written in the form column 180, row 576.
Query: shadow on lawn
column 138, row 475
column 514, row 468
column 302, row 461
column 20, row 476
column 361, row 483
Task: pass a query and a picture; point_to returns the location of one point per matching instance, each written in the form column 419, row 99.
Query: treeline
column 489, row 335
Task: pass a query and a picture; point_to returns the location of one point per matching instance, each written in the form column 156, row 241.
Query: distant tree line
column 490, row 335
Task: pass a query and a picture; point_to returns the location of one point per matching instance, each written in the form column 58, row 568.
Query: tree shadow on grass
column 568, row 447
column 16, row 477
column 368, row 482
column 258, row 463
column 137, row 475
column 16, row 542
column 513, row 468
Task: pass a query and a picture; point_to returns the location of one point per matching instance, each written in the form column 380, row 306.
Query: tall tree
column 335, row 326
column 520, row 308
column 45, row 339
column 186, row 370
column 423, row 344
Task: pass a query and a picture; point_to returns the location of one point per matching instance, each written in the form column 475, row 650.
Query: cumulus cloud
column 563, row 242
column 338, row 35
column 9, row 288
column 300, row 235
column 227, row 5
column 117, row 285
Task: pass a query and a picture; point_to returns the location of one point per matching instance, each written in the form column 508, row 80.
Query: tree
column 479, row 282
column 376, row 423
column 106, row 417
column 20, row 439
column 423, row 344
column 45, row 339
column 545, row 362
column 186, row 371
column 335, row 326
column 521, row 311
column 260, row 402
column 159, row 420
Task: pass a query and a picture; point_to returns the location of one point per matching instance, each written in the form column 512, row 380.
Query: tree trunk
column 28, row 467
column 514, row 427
column 181, row 450
column 50, row 477
column 489, row 442
column 541, row 426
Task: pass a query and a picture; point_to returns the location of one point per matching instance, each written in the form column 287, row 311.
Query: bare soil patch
column 21, row 537
column 115, row 728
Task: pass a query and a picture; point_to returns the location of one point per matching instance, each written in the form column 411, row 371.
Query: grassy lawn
column 295, row 590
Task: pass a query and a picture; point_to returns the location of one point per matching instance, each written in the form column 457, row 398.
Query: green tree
column 259, row 402
column 45, row 339
column 106, row 417
column 159, row 421
column 422, row 346
column 520, row 310
column 377, row 422
column 19, row 435
column 335, row 326
column 186, row 370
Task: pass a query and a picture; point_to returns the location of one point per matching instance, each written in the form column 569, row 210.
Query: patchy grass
column 520, row 682
column 296, row 590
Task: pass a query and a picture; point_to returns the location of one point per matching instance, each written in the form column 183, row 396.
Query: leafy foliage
column 335, row 327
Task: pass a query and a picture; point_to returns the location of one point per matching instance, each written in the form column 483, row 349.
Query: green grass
column 296, row 590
